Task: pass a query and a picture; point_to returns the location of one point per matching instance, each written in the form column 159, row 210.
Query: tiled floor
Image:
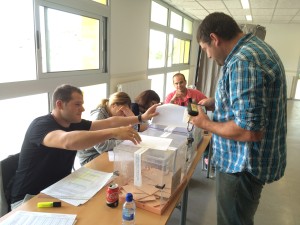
column 280, row 202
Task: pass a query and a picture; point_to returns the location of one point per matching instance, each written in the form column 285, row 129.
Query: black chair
column 8, row 171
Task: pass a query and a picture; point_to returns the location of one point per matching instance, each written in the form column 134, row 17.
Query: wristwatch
column 140, row 118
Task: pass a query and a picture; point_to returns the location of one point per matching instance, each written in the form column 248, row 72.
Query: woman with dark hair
column 143, row 102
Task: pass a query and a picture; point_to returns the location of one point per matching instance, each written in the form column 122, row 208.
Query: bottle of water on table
column 128, row 213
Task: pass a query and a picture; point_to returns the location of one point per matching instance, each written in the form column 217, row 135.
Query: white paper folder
column 171, row 115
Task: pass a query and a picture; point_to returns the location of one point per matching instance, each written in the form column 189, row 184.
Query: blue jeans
column 238, row 197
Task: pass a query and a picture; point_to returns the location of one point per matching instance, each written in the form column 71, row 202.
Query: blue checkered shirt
column 252, row 93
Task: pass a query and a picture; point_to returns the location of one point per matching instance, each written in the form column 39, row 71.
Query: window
column 157, row 48
column 176, row 21
column 92, row 96
column 186, row 73
column 159, row 14
column 169, row 82
column 181, row 51
column 170, row 50
column 46, row 43
column 73, row 41
column 16, row 115
column 177, row 51
column 104, row 2
column 169, row 46
column 157, row 79
column 57, row 37
column 187, row 47
column 17, row 53
column 187, row 26
column 69, row 41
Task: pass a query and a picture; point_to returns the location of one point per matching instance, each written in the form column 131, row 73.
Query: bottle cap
column 129, row 197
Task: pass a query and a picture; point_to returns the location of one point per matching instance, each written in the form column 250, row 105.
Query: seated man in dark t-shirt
column 51, row 141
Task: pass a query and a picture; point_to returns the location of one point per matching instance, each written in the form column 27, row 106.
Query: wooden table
column 95, row 211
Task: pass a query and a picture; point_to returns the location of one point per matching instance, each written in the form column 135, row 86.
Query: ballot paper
column 38, row 218
column 78, row 187
column 157, row 143
column 171, row 115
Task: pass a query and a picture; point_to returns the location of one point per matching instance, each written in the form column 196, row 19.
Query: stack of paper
column 79, row 186
column 38, row 218
column 171, row 115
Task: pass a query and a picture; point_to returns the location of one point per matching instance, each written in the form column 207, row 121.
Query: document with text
column 79, row 186
column 38, row 218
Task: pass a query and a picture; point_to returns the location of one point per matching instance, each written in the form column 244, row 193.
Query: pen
column 48, row 204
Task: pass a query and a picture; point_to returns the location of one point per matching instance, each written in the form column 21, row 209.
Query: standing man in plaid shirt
column 249, row 124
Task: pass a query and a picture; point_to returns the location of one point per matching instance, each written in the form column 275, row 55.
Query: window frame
column 174, row 68
column 81, row 10
column 43, row 82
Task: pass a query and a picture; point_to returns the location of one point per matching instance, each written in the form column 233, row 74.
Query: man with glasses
column 182, row 94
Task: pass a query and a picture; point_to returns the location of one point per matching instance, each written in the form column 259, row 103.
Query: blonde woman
column 118, row 104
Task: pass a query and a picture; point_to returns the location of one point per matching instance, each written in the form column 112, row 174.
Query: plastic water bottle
column 128, row 214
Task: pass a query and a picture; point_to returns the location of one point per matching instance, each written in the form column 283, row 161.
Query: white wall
column 285, row 38
column 194, row 53
column 129, row 40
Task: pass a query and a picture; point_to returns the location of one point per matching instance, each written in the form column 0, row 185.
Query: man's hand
column 209, row 103
column 126, row 111
column 151, row 112
column 178, row 95
column 201, row 119
column 127, row 133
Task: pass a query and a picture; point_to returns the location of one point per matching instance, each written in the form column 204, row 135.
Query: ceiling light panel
column 245, row 4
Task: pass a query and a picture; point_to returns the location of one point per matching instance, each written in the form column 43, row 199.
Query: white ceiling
column 262, row 11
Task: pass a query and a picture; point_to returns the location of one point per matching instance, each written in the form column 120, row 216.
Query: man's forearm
column 232, row 131
column 115, row 121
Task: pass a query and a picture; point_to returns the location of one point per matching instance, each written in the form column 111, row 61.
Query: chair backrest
column 8, row 169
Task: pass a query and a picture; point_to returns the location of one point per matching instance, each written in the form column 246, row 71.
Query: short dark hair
column 179, row 74
column 219, row 23
column 145, row 98
column 64, row 93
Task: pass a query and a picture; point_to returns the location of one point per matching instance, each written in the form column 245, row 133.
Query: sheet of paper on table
column 79, row 186
column 38, row 218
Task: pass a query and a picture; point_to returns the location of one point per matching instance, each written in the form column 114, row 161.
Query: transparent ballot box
column 175, row 119
column 152, row 173
column 193, row 137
